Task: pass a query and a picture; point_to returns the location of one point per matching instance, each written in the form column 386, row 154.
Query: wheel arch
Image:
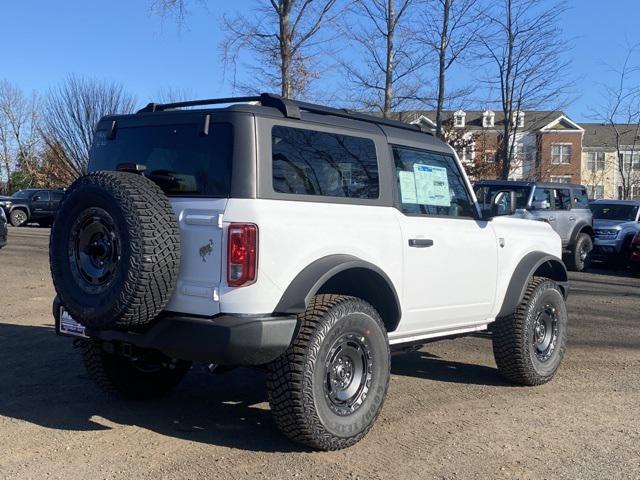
column 534, row 264
column 20, row 207
column 581, row 228
column 345, row 275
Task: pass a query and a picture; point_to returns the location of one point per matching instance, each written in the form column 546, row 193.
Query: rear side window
column 542, row 198
column 308, row 162
column 580, row 198
column 431, row 184
column 563, row 199
column 178, row 158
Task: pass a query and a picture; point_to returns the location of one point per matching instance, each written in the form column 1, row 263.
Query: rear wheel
column 143, row 374
column 18, row 217
column 580, row 257
column 528, row 345
column 327, row 389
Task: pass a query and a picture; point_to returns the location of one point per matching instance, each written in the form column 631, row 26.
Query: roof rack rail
column 289, row 108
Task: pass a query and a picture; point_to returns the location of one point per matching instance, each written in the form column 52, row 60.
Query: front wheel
column 528, row 345
column 143, row 374
column 18, row 217
column 327, row 389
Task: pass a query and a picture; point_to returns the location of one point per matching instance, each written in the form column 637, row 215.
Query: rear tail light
column 242, row 254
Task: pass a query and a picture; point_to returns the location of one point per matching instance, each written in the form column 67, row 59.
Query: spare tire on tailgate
column 114, row 250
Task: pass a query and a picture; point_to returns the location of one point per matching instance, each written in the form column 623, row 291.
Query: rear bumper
column 225, row 339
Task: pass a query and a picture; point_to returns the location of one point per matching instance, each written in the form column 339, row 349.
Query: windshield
column 22, row 194
column 177, row 157
column 614, row 211
column 485, row 193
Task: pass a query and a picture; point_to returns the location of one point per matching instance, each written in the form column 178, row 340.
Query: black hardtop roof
column 272, row 105
column 527, row 183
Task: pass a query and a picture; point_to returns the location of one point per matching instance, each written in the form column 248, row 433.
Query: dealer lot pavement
column 448, row 413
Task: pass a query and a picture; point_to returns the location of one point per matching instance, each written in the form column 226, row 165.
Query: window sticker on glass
column 407, row 187
column 432, row 185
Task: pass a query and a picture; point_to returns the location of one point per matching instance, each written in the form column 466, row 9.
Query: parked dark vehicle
column 3, row 228
column 634, row 254
column 32, row 205
column 616, row 222
column 564, row 206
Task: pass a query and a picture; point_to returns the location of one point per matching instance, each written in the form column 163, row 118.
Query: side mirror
column 503, row 203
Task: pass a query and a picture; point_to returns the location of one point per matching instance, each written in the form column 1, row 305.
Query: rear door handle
column 420, row 242
column 572, row 218
column 552, row 219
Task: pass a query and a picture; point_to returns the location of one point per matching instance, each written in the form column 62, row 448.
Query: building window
column 561, row 178
column 459, row 119
column 561, row 154
column 595, row 192
column 488, row 119
column 631, row 160
column 595, row 161
column 518, row 119
column 635, row 192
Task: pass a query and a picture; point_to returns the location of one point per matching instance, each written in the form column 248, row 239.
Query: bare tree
column 71, row 113
column 389, row 57
column 449, row 29
column 170, row 8
column 524, row 47
column 19, row 139
column 282, row 39
column 621, row 112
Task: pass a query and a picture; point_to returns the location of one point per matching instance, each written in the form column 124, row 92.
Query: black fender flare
column 306, row 284
column 580, row 228
column 534, row 262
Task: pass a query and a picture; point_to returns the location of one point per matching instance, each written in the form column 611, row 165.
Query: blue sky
column 43, row 41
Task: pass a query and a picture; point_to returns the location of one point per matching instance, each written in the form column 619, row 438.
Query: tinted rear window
column 178, row 158
column 309, row 162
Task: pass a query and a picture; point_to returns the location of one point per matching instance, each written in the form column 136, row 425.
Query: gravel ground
column 448, row 414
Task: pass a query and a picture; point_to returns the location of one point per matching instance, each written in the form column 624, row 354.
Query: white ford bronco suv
column 309, row 240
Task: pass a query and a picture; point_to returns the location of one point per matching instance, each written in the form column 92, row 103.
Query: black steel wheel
column 94, row 250
column 327, row 389
column 529, row 345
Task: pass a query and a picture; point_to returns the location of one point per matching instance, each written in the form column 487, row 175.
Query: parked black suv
column 32, row 205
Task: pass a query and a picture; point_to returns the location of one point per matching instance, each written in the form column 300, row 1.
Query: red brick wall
column 546, row 169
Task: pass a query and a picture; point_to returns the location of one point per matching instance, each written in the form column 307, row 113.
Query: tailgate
column 201, row 242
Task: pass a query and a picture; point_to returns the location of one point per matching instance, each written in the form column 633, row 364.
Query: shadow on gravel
column 42, row 381
column 425, row 365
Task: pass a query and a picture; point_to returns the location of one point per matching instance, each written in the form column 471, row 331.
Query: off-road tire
column 18, row 217
column 575, row 260
column 119, row 377
column 514, row 349
column 296, row 380
column 145, row 265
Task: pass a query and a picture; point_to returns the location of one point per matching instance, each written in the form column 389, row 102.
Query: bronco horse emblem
column 206, row 250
